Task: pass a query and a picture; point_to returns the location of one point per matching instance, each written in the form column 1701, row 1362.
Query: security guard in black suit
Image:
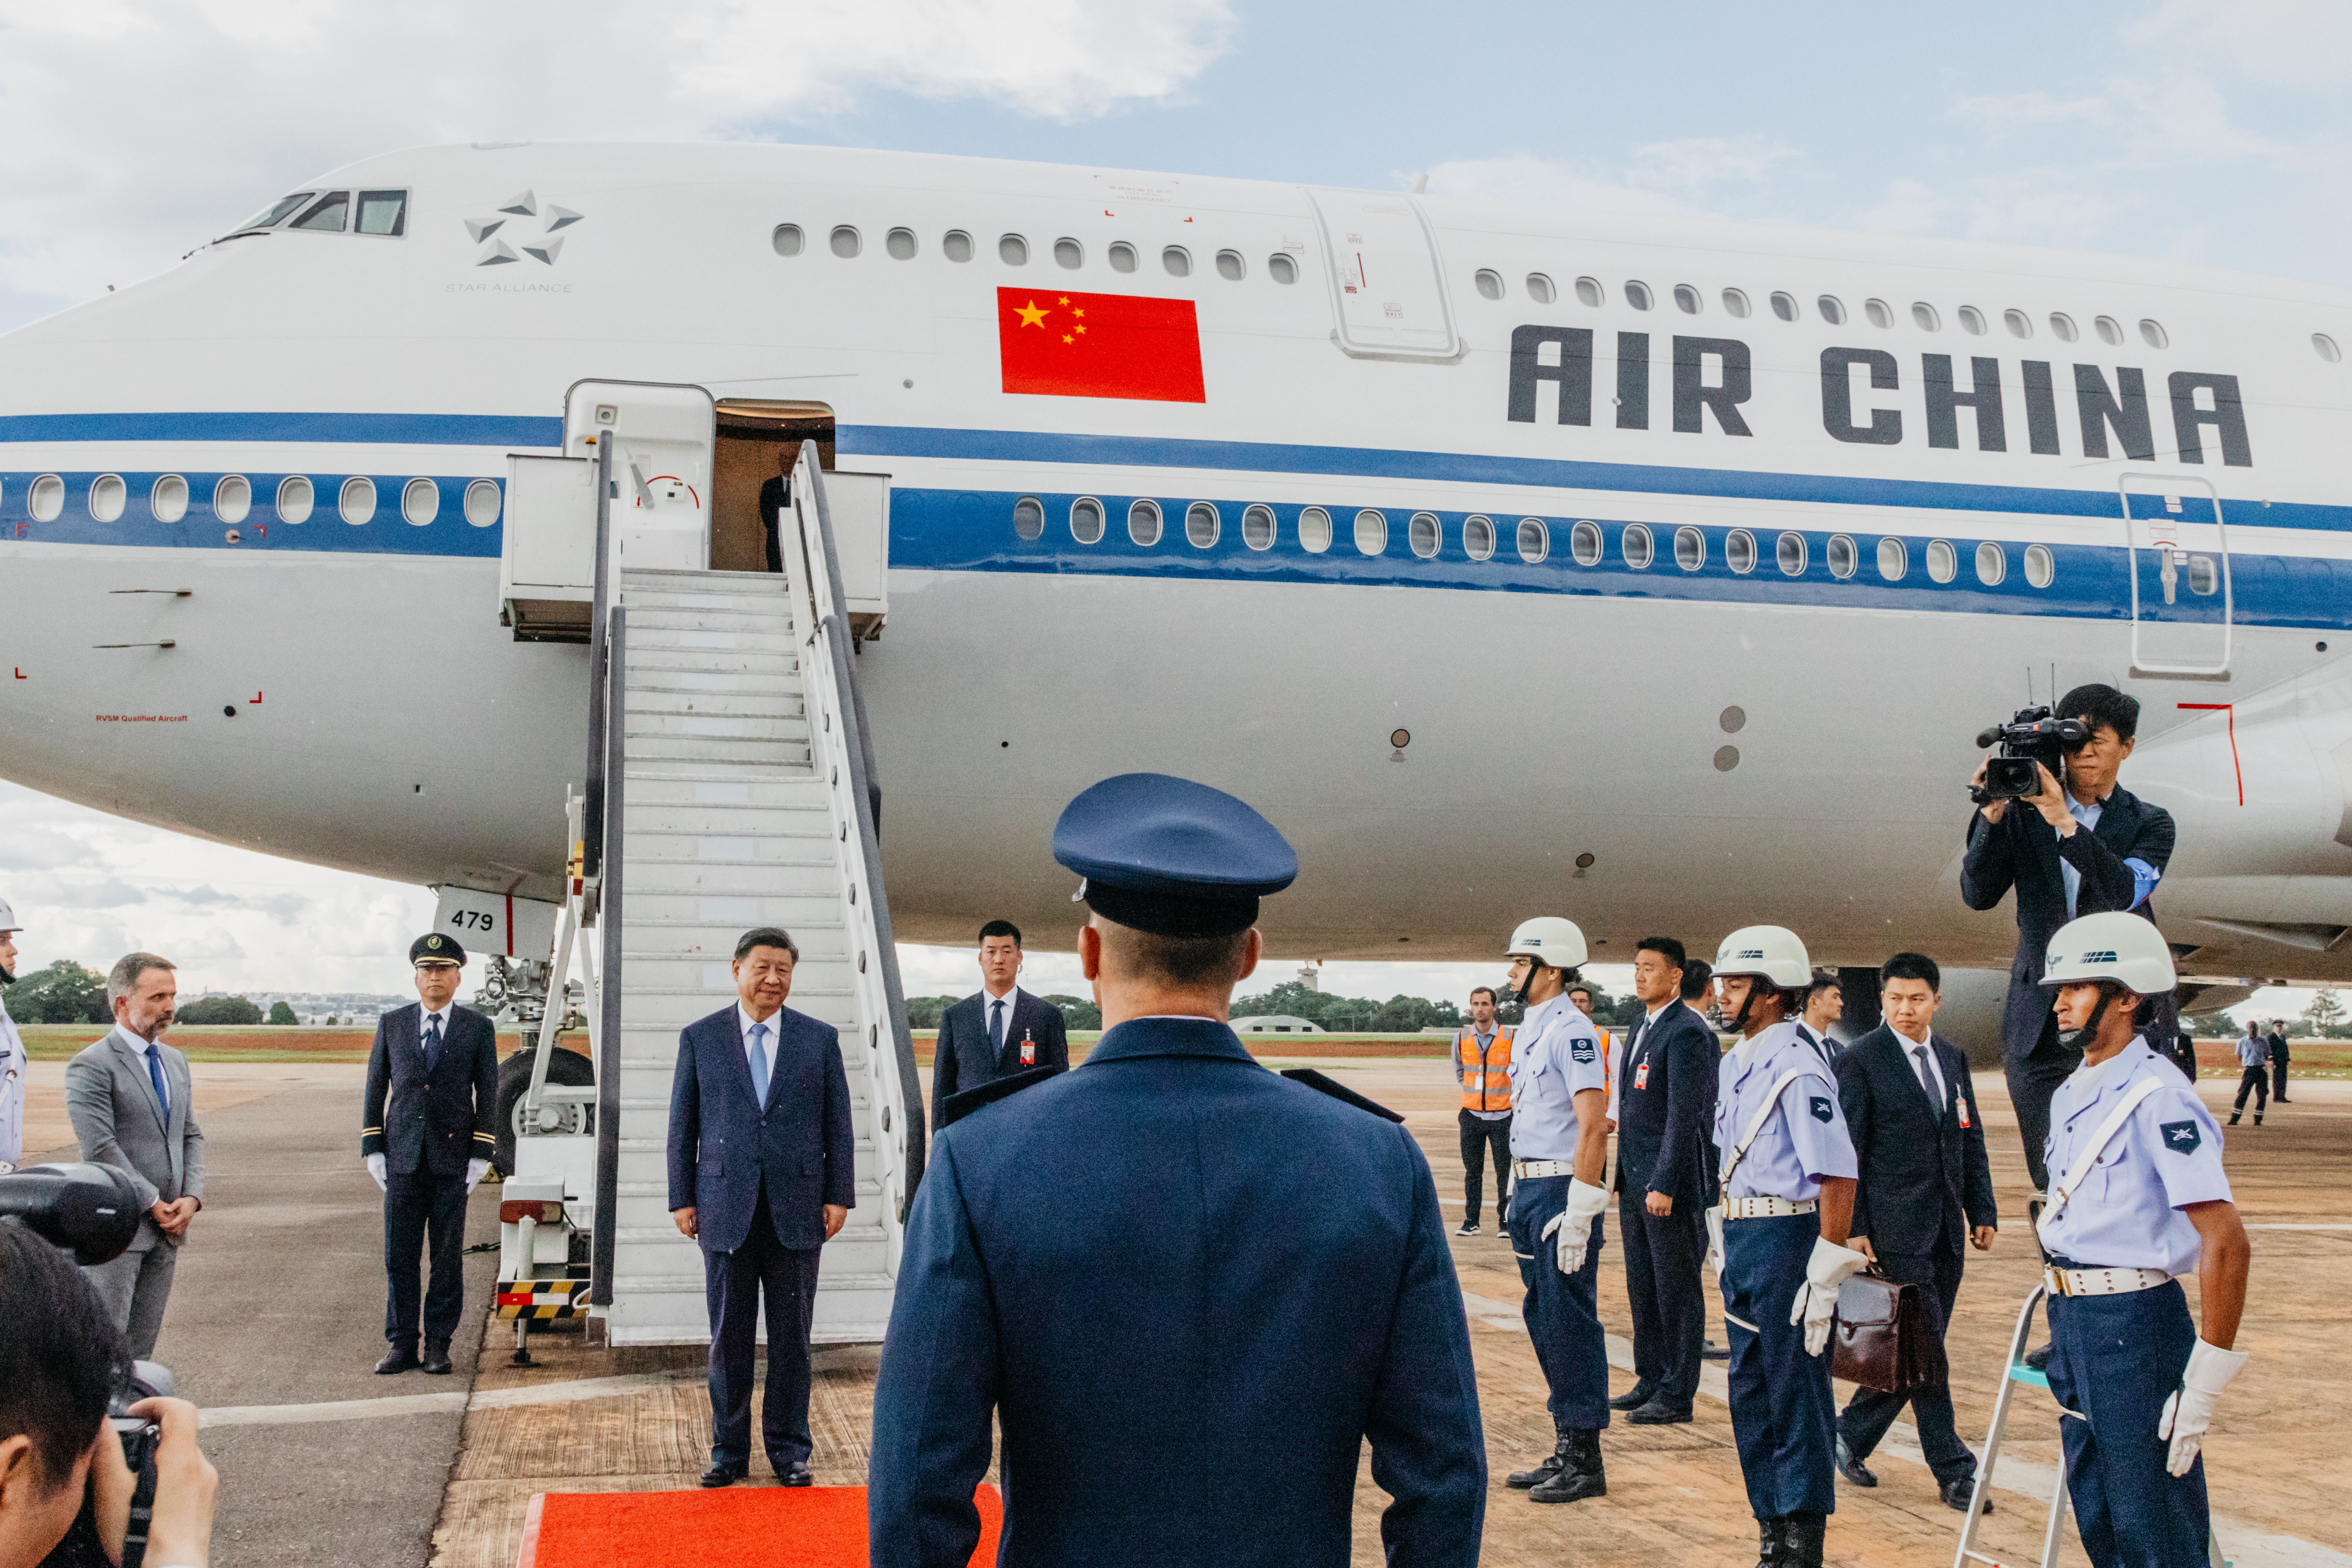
column 438, row 1064
column 1187, row 1360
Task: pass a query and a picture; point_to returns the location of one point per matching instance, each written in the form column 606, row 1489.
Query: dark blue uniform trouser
column 421, row 1207
column 1872, row 1411
column 1782, row 1412
column 734, row 1282
column 2116, row 1360
column 1562, row 1312
column 1666, row 1293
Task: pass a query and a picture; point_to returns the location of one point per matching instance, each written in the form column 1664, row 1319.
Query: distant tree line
column 66, row 993
column 1078, row 1013
column 1399, row 1014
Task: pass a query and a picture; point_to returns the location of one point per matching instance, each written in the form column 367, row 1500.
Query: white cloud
column 132, row 130
column 1715, row 174
column 2298, row 43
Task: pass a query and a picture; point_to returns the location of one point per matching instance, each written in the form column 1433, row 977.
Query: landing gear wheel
column 567, row 1068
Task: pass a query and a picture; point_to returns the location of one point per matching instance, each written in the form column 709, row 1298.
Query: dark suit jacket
column 964, row 1058
column 771, row 502
column 1116, row 1262
column 724, row 1146
column 1918, row 1166
column 2023, row 851
column 1665, row 1119
column 2278, row 1048
column 439, row 1121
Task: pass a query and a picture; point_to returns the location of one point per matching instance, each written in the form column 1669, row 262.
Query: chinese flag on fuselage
column 1099, row 345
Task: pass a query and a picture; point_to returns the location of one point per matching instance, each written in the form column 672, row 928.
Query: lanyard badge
column 1963, row 1101
column 1641, row 1076
column 1028, row 1051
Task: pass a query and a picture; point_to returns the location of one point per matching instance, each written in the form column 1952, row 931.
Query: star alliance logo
column 510, row 220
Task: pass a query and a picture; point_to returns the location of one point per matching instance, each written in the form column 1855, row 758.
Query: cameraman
column 2084, row 846
column 61, row 1358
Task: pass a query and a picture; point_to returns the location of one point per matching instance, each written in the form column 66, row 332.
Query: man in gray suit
column 129, row 1098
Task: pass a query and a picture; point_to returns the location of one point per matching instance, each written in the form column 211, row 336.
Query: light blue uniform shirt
column 1804, row 1140
column 2126, row 1212
column 2144, row 876
column 2253, row 1051
column 1556, row 1053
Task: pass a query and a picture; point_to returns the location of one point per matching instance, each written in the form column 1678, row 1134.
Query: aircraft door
column 663, row 438
column 1388, row 283
column 2177, row 551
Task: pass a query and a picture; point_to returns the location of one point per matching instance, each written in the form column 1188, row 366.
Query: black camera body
column 2031, row 740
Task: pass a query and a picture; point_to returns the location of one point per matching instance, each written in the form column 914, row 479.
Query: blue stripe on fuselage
column 367, row 430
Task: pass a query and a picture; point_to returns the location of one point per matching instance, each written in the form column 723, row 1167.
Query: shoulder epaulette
column 1322, row 1084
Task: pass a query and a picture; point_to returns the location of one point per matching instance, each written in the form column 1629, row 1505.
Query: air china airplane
column 1659, row 572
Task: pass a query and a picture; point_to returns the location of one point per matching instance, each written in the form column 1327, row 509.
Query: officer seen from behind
column 1559, row 1151
column 1186, row 1358
column 2138, row 1200
column 429, row 1132
column 1784, row 1205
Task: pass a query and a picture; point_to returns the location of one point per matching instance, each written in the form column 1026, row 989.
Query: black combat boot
column 1579, row 1474
column 1545, row 1470
column 1802, row 1534
column 1769, row 1547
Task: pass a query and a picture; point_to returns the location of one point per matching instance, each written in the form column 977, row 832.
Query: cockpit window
column 327, row 214
column 384, row 212
column 274, row 212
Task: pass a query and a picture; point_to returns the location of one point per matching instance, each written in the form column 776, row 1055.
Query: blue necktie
column 996, row 1026
column 433, row 1043
column 155, row 1077
column 758, row 1059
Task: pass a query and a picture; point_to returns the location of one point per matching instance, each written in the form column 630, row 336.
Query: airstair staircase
column 737, row 792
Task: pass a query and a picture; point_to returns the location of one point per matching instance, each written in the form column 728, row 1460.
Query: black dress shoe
column 437, row 1360
column 1659, row 1412
column 400, row 1358
column 1852, row 1468
column 724, row 1474
column 1635, row 1397
column 1955, row 1494
column 1544, row 1471
column 1710, row 1351
column 795, row 1476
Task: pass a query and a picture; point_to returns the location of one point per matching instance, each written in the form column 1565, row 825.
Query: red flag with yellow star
column 1099, row 345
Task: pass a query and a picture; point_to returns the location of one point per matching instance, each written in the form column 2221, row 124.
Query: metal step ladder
column 737, row 792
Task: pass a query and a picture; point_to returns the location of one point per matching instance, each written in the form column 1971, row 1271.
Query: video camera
column 2033, row 739
column 92, row 1211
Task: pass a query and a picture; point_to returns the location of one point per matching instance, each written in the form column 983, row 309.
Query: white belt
column 1527, row 1170
column 2102, row 1281
column 1767, row 1208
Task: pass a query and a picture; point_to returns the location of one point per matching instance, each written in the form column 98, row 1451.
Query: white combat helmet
column 1549, row 938
column 8, row 920
column 1772, row 951
column 2115, row 946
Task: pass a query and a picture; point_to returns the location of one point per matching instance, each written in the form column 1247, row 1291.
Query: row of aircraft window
column 297, row 499
column 1012, row 249
column 1637, row 545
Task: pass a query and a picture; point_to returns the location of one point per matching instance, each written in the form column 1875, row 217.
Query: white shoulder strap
column 2089, row 1157
column 1755, row 1122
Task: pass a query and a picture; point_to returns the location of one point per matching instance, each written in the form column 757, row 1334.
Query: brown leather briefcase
column 1886, row 1335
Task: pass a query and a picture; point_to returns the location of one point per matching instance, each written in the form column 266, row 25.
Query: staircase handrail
column 612, row 690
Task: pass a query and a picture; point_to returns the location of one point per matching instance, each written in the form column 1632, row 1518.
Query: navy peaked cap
column 1171, row 857
column 435, row 948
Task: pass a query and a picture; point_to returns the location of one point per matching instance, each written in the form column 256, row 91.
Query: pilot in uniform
column 2138, row 1199
column 1559, row 1155
column 1784, row 1207
column 1186, row 1361
column 428, row 1137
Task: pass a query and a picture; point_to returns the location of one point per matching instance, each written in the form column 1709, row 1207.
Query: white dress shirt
column 762, row 1076
column 426, row 1022
column 1931, row 1077
column 990, row 1001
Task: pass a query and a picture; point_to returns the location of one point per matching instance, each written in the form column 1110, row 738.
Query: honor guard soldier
column 2138, row 1199
column 1784, row 1204
column 430, row 1130
column 1186, row 1361
column 1559, row 1149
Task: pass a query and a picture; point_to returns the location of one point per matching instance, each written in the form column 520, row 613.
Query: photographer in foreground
column 61, row 1358
column 2083, row 845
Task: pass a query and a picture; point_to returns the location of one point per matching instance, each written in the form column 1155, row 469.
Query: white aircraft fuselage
column 1775, row 573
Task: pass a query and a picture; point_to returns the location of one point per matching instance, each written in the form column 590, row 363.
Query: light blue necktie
column 155, row 1076
column 758, row 1059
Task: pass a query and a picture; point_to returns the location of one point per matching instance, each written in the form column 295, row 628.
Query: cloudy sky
column 130, row 131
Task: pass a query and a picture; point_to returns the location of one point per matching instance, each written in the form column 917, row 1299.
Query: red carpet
column 740, row 1527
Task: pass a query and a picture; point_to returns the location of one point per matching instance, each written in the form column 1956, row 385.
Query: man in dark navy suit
column 430, row 1127
column 1186, row 1358
column 1925, row 1186
column 999, row 1030
column 2083, row 845
column 1665, row 1113
column 761, row 1175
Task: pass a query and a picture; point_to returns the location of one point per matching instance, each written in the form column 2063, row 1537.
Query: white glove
column 1715, row 1236
column 475, row 1171
column 2190, row 1409
column 1574, row 1225
column 375, row 1168
column 1816, row 1301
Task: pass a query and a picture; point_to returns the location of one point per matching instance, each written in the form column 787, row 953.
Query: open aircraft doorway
column 759, row 440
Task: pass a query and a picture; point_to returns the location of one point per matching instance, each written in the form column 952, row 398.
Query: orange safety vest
column 1485, row 1079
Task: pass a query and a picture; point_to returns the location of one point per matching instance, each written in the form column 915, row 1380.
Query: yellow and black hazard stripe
column 542, row 1299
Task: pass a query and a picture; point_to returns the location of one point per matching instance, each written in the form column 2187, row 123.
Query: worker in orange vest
column 1482, row 1066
